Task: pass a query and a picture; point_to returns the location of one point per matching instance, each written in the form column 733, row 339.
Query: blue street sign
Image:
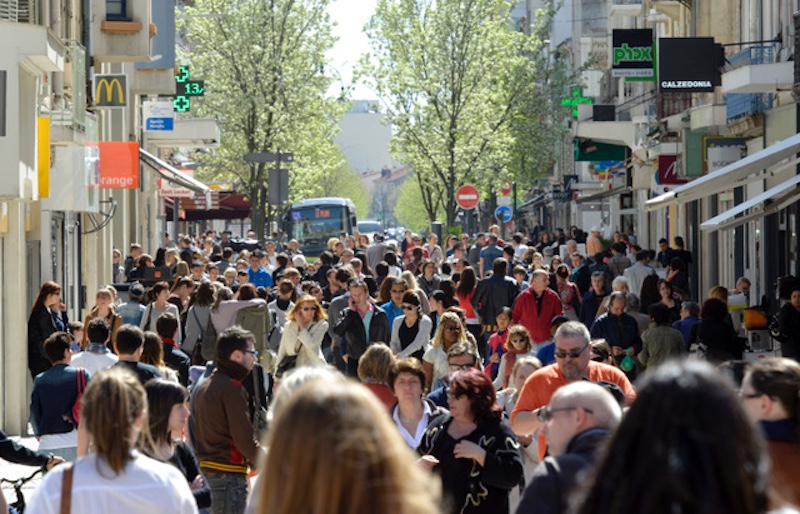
column 503, row 213
column 160, row 124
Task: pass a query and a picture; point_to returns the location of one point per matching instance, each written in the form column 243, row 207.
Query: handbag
column 76, row 407
column 260, row 414
column 287, row 363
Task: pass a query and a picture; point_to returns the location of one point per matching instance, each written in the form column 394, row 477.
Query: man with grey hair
column 573, row 364
column 576, row 424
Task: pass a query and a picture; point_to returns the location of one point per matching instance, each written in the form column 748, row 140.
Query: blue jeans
column 228, row 492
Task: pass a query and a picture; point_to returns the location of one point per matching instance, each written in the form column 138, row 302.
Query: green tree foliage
column 407, row 209
column 449, row 76
column 538, row 123
column 263, row 64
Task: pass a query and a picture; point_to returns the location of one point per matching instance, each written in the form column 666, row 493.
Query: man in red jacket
column 536, row 307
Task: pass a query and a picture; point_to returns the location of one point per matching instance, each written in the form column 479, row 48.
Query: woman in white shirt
column 158, row 306
column 413, row 411
column 303, row 333
column 114, row 477
column 410, row 332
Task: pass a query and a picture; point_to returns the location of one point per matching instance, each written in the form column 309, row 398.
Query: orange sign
column 119, row 165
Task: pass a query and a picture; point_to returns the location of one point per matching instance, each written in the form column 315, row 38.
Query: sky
column 350, row 17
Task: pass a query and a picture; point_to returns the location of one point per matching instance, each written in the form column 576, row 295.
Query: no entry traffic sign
column 467, row 197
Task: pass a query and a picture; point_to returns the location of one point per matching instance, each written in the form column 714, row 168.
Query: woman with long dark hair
column 685, row 445
column 472, row 448
column 464, row 292
column 48, row 315
column 168, row 412
column 712, row 336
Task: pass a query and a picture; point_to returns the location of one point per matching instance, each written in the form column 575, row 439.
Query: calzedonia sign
column 632, row 53
column 689, row 65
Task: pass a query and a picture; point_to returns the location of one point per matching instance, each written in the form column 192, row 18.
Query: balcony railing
column 673, row 103
column 69, row 107
column 740, row 105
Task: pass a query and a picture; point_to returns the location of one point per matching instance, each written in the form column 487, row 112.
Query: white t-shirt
column 145, row 485
column 438, row 358
column 93, row 362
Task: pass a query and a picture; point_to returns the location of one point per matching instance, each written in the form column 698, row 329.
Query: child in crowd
column 518, row 344
column 497, row 341
column 76, row 333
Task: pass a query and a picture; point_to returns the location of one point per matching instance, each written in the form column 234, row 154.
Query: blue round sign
column 503, row 213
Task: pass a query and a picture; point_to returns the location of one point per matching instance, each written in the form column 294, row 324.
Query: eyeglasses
column 254, row 353
column 451, row 395
column 409, row 307
column 307, row 309
column 461, row 367
column 749, row 396
column 545, row 414
column 453, row 328
column 563, row 354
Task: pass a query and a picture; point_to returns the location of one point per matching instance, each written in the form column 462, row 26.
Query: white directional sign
column 158, row 115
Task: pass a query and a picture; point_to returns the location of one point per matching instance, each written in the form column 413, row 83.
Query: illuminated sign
column 186, row 88
column 191, row 88
column 111, row 91
column 322, row 213
column 574, row 99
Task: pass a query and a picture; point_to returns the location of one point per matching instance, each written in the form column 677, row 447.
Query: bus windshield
column 313, row 226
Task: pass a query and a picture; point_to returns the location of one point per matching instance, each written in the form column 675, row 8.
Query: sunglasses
column 460, row 367
column 307, row 309
column 545, row 414
column 409, row 308
column 453, row 328
column 398, row 291
column 574, row 354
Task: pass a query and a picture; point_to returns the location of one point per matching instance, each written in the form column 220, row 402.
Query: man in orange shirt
column 573, row 363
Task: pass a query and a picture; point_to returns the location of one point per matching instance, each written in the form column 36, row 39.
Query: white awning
column 170, row 173
column 733, row 175
column 759, row 206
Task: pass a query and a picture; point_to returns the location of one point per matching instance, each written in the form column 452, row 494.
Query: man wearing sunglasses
column 576, row 424
column 573, row 364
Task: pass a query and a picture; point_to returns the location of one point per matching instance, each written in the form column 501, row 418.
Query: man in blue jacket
column 578, row 421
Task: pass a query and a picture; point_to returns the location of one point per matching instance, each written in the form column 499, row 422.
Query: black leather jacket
column 351, row 327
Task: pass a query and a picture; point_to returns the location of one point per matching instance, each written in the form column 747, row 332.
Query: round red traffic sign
column 467, row 197
column 506, row 189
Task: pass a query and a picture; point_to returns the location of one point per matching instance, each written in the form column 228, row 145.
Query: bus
column 312, row 222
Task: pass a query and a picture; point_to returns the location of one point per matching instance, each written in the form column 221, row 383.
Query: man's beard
column 571, row 371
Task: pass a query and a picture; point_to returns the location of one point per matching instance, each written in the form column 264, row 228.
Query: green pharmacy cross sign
column 186, row 88
column 574, row 99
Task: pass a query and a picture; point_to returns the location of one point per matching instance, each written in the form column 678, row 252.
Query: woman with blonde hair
column 115, row 477
column 333, row 438
column 306, row 326
column 104, row 308
column 449, row 332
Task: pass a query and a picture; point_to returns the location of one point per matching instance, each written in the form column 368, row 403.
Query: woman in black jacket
column 713, row 335
column 48, row 315
column 472, row 448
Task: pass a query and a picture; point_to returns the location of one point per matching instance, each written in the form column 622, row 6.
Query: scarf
column 233, row 369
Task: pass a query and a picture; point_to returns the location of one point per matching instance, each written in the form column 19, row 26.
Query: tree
column 407, row 211
column 263, row 65
column 446, row 72
column 538, row 125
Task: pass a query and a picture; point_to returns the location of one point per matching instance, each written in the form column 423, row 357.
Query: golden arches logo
column 114, row 92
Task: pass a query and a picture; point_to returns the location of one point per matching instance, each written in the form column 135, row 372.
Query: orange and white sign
column 119, row 165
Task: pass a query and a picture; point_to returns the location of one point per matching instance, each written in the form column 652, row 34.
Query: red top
column 526, row 313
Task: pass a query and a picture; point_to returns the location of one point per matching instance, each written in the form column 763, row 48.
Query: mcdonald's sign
column 110, row 91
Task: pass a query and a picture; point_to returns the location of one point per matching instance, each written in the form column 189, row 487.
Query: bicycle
column 18, row 484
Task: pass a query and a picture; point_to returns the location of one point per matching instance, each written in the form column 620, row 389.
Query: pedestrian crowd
column 553, row 373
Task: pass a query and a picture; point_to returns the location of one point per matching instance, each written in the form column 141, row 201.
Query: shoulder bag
column 76, row 407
